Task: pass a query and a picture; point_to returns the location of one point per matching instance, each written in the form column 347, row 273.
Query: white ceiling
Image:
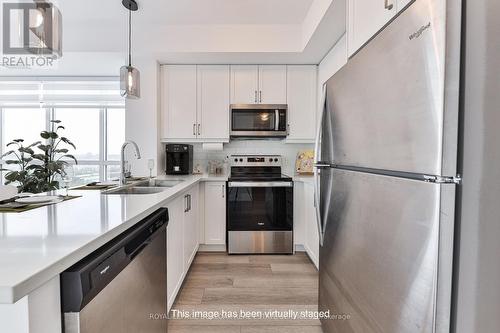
column 207, row 31
column 168, row 12
column 234, row 11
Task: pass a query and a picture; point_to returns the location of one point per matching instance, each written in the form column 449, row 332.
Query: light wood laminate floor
column 219, row 284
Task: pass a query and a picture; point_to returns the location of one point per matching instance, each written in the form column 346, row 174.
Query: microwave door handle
column 276, row 120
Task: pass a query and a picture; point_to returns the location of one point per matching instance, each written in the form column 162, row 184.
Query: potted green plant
column 53, row 158
column 40, row 172
column 23, row 156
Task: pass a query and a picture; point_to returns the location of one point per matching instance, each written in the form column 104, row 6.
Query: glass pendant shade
column 130, row 77
column 130, row 82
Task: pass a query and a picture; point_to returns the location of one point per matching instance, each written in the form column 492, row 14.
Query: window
column 82, row 127
column 92, row 113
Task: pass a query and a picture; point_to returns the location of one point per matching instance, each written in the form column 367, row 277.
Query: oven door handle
column 260, row 184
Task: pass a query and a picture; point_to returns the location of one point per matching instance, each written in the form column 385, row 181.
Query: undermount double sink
column 146, row 187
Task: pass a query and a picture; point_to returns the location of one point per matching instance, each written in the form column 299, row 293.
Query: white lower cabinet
column 182, row 239
column 215, row 213
column 311, row 243
column 175, row 247
column 305, row 227
column 191, row 226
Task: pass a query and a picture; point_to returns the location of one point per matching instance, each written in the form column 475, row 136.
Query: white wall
column 75, row 64
column 334, row 60
column 142, row 117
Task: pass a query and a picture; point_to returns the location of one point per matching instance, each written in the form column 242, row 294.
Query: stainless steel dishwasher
column 121, row 287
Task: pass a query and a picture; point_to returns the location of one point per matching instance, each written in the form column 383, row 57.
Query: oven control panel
column 256, row 160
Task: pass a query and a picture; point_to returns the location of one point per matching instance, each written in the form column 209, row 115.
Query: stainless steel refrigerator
column 386, row 176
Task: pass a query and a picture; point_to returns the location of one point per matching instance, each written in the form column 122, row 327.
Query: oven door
column 260, row 217
column 258, row 120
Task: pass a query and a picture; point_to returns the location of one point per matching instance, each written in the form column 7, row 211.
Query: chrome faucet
column 123, row 176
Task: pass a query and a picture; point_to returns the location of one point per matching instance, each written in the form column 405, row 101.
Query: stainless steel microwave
column 259, row 120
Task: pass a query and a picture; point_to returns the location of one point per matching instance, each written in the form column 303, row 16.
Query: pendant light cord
column 130, row 37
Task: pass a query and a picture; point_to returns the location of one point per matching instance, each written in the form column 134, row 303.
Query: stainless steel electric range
column 259, row 206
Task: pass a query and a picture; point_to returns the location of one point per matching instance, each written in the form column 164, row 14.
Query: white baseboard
column 300, row 248
column 212, row 248
column 314, row 259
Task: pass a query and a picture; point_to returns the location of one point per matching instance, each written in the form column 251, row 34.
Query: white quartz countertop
column 304, row 178
column 39, row 244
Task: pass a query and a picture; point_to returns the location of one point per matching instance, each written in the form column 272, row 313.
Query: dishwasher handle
column 134, row 247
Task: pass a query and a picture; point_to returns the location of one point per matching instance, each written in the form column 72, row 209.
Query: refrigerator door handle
column 317, row 158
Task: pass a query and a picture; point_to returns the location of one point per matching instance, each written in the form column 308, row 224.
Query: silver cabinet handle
column 260, row 96
column 194, row 129
column 388, row 6
column 186, row 209
column 199, row 129
column 189, row 202
column 223, row 191
column 255, row 96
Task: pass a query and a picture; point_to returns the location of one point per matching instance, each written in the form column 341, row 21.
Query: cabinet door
column 272, row 84
column 402, row 4
column 366, row 18
column 302, row 95
column 175, row 244
column 215, row 213
column 178, row 102
column 299, row 227
column 190, row 226
column 312, row 236
column 213, row 102
column 244, row 84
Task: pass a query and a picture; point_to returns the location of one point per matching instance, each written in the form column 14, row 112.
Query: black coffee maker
column 179, row 159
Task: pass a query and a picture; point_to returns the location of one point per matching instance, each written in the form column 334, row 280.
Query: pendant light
column 130, row 85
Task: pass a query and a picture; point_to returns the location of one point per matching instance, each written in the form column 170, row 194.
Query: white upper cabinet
column 195, row 99
column 264, row 84
column 272, row 84
column 213, row 102
column 244, row 84
column 402, row 4
column 366, row 18
column 195, row 103
column 178, row 102
column 301, row 100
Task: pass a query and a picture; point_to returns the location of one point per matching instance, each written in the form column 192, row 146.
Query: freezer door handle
column 318, row 165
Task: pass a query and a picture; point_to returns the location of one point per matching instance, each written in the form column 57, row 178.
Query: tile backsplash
column 257, row 147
